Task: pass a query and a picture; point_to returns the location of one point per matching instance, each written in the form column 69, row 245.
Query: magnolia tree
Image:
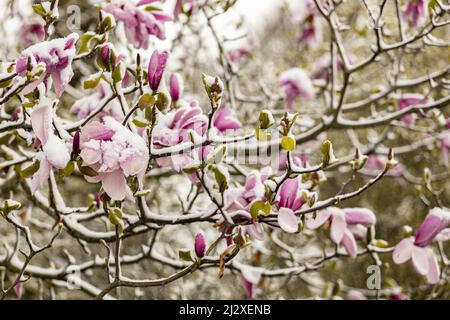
column 175, row 150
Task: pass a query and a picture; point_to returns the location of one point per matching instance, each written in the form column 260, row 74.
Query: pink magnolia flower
column 176, row 86
column 57, row 55
column 31, row 33
column 200, row 245
column 343, row 223
column 250, row 277
column 55, row 153
column 239, row 200
column 407, row 100
column 416, row 248
column 173, row 128
column 291, row 195
column 415, row 12
column 254, row 188
column 435, row 222
column 115, row 153
column 156, row 68
column 290, row 200
column 86, row 105
column 296, row 83
column 445, row 147
column 225, row 119
column 139, row 24
column 311, row 29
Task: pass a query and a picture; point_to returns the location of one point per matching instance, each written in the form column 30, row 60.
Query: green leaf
column 140, row 124
column 92, row 82
column 162, row 101
column 39, row 9
column 117, row 74
column 259, row 207
column 288, row 143
column 185, row 255
column 221, row 179
column 5, row 83
column 146, row 100
column 152, row 8
column 68, row 169
column 85, row 39
column 30, row 170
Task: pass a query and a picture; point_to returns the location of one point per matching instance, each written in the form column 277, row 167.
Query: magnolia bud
column 200, row 245
column 214, row 88
column 156, row 68
column 327, row 152
column 175, row 86
column 266, row 119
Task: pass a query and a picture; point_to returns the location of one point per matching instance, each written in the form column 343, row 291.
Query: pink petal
column 41, row 176
column 360, row 216
column 287, row 220
column 96, row 131
column 321, row 218
column 420, row 260
column 434, row 272
column 115, row 185
column 338, row 228
column 403, row 250
column 444, row 235
column 349, row 243
column 58, row 83
column 41, row 121
column 252, row 274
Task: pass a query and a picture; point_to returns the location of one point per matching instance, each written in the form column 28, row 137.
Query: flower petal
column 349, row 243
column 321, row 218
column 287, row 220
column 403, row 250
column 338, row 227
column 420, row 260
column 115, row 185
column 434, row 272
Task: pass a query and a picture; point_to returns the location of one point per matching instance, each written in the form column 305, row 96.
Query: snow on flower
column 417, row 248
column 344, row 225
column 114, row 152
column 139, row 24
column 173, row 128
column 55, row 153
column 86, row 105
column 296, row 83
column 57, row 55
